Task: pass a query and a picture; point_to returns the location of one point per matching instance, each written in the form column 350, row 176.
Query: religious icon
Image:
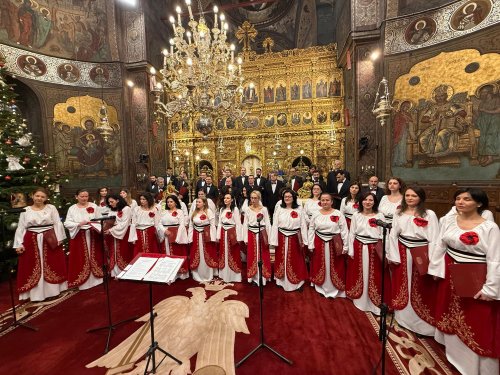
column 296, row 118
column 31, row 65
column 219, row 124
column 335, row 116
column 250, row 94
column 230, row 123
column 321, row 117
column 68, row 72
column 269, row 121
column 295, row 91
column 307, row 119
column 99, row 75
column 470, row 15
column 251, row 123
column 321, row 90
column 307, row 89
column 269, row 94
column 420, row 30
column 334, row 88
column 281, row 119
column 280, row 92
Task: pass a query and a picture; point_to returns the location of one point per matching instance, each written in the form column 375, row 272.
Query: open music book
column 159, row 268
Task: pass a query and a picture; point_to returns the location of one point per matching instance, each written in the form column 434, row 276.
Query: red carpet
column 321, row 336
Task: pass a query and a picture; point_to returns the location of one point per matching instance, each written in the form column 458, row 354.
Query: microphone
column 104, row 218
column 383, row 224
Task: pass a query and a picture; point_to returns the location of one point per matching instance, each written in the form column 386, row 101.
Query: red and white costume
column 175, row 222
column 120, row 250
column 328, row 270
column 202, row 254
column 388, row 208
column 469, row 328
column 85, row 247
column 311, row 207
column 229, row 256
column 250, row 233
column 41, row 271
column 413, row 294
column 364, row 275
column 104, row 210
column 143, row 229
column 348, row 208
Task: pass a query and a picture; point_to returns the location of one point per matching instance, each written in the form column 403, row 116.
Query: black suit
column 211, row 192
column 239, row 184
column 270, row 198
column 320, row 182
column 338, row 195
column 260, row 182
column 347, row 175
column 183, row 189
column 297, row 184
column 152, row 188
column 379, row 193
column 222, row 182
column 199, row 185
column 171, row 179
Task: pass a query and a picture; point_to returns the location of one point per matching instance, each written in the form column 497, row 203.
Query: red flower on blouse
column 203, row 217
column 373, row 222
column 469, row 238
column 334, row 218
column 419, row 222
column 398, row 207
column 174, row 214
column 90, row 210
column 294, row 214
column 151, row 214
column 102, row 204
column 355, row 206
column 260, row 216
column 229, row 215
column 319, row 203
column 119, row 214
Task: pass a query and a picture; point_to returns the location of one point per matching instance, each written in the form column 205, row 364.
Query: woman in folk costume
column 413, row 227
column 145, row 222
column 257, row 216
column 328, row 264
column 116, row 237
column 125, row 194
column 391, row 202
column 313, row 205
column 201, row 236
column 41, row 269
column 468, row 327
column 288, row 236
column 85, row 246
column 364, row 275
column 229, row 238
column 173, row 232
column 350, row 204
column 102, row 202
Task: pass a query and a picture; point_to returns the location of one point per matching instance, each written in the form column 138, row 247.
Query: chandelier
column 199, row 76
column 382, row 108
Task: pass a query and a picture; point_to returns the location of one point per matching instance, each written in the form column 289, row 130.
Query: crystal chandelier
column 200, row 77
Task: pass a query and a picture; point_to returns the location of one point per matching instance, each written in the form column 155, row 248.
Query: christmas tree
column 22, row 167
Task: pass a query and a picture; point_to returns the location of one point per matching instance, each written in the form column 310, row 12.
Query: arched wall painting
column 446, row 124
column 79, row 147
column 251, row 163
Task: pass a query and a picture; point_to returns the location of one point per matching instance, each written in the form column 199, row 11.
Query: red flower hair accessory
column 294, row 214
column 469, row 238
column 151, row 214
column 419, row 222
column 229, row 215
column 119, row 214
column 373, row 222
column 90, row 210
column 203, row 217
column 334, row 218
column 174, row 214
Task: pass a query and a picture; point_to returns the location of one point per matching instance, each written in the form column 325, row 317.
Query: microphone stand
column 262, row 343
column 105, row 270
column 15, row 322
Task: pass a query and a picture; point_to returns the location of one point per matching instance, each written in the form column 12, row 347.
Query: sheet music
column 139, row 269
column 164, row 270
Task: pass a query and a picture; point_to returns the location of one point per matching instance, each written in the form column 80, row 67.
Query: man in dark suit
column 294, row 181
column 241, row 180
column 272, row 192
column 200, row 184
column 374, row 188
column 169, row 178
column 339, row 189
column 152, row 185
column 337, row 166
column 260, row 181
column 227, row 174
column 317, row 179
column 211, row 190
column 251, row 184
column 183, row 187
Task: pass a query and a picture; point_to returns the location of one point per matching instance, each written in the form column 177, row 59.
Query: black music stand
column 262, row 343
column 3, row 250
column 105, row 269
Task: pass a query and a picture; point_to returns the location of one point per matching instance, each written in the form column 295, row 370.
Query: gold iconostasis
column 295, row 115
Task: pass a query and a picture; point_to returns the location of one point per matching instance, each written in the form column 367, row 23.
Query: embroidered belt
column 326, row 236
column 388, row 218
column 200, row 228
column 255, row 228
column 460, row 256
column 143, row 227
column 288, row 232
column 227, row 226
column 40, row 228
column 347, row 215
column 412, row 242
column 170, row 225
column 365, row 240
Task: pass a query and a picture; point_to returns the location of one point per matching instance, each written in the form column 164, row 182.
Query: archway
column 302, row 164
column 205, row 166
column 251, row 163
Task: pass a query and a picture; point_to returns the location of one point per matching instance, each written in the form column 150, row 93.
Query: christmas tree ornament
column 8, row 178
column 8, row 141
column 13, row 226
column 25, row 140
column 13, row 163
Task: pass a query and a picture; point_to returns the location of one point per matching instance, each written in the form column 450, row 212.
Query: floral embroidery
column 203, row 217
column 174, row 214
column 355, row 206
column 294, row 214
column 373, row 222
column 119, row 214
column 419, row 222
column 469, row 238
column 334, row 218
column 90, row 210
column 229, row 215
column 260, row 216
column 151, row 214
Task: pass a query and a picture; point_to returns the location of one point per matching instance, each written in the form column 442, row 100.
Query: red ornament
column 119, row 214
column 174, row 214
column 373, row 222
column 151, row 214
column 355, row 206
column 90, row 210
column 203, row 217
column 8, row 178
column 469, row 238
column 419, row 222
column 8, row 141
column 334, row 218
column 294, row 214
column 229, row 215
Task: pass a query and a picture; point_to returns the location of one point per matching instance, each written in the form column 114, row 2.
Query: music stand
column 262, row 343
column 105, row 269
column 3, row 249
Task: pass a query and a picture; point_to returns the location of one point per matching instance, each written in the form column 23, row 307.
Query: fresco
column 447, row 118
column 64, row 28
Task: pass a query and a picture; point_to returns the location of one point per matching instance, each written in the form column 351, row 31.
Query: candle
column 188, row 34
column 172, row 21
column 178, row 10
column 215, row 16
column 188, row 3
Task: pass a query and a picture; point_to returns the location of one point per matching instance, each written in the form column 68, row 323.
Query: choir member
column 468, row 327
column 85, row 246
column 145, row 222
column 242, row 201
column 350, row 204
column 413, row 226
column 391, row 202
column 288, row 236
column 116, row 237
column 173, row 232
column 41, row 269
column 211, row 204
column 125, row 194
column 364, row 275
column 257, row 216
column 101, row 201
column 313, row 204
column 328, row 269
column 202, row 236
column 229, row 237
column 486, row 214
